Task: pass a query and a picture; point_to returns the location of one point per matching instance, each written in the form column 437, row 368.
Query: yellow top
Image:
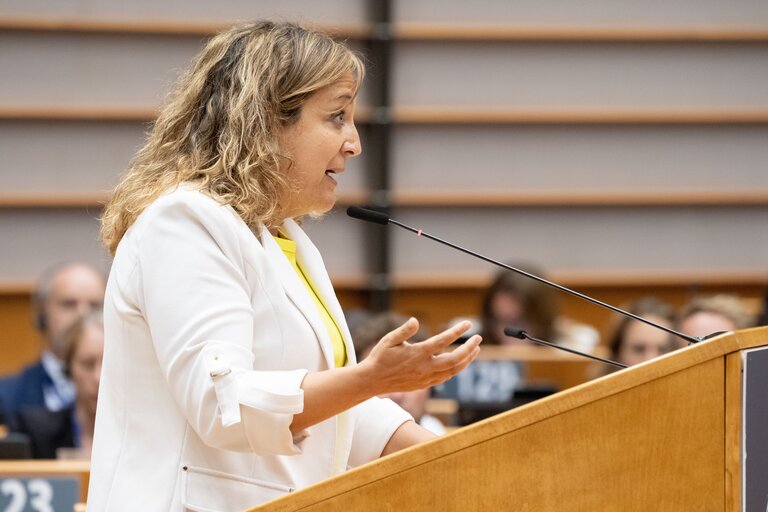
column 339, row 350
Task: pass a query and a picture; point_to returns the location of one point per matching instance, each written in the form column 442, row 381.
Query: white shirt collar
column 62, row 394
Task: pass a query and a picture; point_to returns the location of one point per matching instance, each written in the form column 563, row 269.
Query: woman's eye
column 339, row 117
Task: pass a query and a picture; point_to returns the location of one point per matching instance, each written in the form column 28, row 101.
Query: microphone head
column 515, row 332
column 367, row 215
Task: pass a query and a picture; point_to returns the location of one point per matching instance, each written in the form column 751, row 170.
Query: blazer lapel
column 297, row 292
column 312, row 264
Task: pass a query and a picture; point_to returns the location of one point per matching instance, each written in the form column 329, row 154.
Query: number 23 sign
column 38, row 494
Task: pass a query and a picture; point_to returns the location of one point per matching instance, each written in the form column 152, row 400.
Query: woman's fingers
column 439, row 342
column 401, row 334
column 465, row 353
column 401, row 366
column 442, row 376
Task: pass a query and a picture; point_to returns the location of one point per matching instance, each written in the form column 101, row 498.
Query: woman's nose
column 351, row 146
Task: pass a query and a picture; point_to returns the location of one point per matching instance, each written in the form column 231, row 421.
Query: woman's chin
column 321, row 209
column 319, row 213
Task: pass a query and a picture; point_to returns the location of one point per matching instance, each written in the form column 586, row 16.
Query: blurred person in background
column 366, row 334
column 489, row 386
column 70, row 428
column 519, row 301
column 762, row 318
column 64, row 293
column 631, row 342
column 718, row 313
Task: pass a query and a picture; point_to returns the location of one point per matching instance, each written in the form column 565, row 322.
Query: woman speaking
column 229, row 376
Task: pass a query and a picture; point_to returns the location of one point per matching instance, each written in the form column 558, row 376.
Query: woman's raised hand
column 394, row 364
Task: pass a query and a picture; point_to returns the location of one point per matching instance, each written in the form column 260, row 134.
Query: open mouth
column 330, row 173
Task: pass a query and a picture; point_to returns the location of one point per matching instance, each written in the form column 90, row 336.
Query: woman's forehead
column 342, row 91
column 346, row 84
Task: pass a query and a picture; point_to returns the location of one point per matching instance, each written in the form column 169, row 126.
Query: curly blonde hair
column 220, row 126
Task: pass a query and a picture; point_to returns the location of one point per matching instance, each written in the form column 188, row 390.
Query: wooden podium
column 662, row 436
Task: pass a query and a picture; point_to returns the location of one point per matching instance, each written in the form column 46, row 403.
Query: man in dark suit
column 64, row 293
column 7, row 387
column 47, row 430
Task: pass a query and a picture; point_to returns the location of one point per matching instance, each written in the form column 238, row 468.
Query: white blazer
column 208, row 335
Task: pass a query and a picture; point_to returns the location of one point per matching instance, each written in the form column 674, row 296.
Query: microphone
column 367, row 215
column 518, row 333
column 380, row 218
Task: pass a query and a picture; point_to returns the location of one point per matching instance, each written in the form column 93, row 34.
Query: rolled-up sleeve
column 375, row 421
column 199, row 309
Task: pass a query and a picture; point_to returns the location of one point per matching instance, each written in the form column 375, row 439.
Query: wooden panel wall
column 19, row 344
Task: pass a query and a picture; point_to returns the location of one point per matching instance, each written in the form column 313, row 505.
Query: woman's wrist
column 365, row 379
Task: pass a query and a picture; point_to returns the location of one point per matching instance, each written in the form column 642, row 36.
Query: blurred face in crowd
column 319, row 144
column 642, row 342
column 704, row 323
column 507, row 310
column 75, row 290
column 85, row 365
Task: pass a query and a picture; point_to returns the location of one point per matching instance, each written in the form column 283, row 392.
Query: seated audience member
column 631, row 342
column 356, row 317
column 366, row 334
column 516, row 300
column 71, row 427
column 487, row 387
column 707, row 315
column 64, row 293
column 7, row 389
column 762, row 317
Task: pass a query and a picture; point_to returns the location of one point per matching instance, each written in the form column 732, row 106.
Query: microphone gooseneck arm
column 521, row 334
column 380, row 218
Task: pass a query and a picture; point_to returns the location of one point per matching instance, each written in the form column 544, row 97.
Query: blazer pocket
column 207, row 490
